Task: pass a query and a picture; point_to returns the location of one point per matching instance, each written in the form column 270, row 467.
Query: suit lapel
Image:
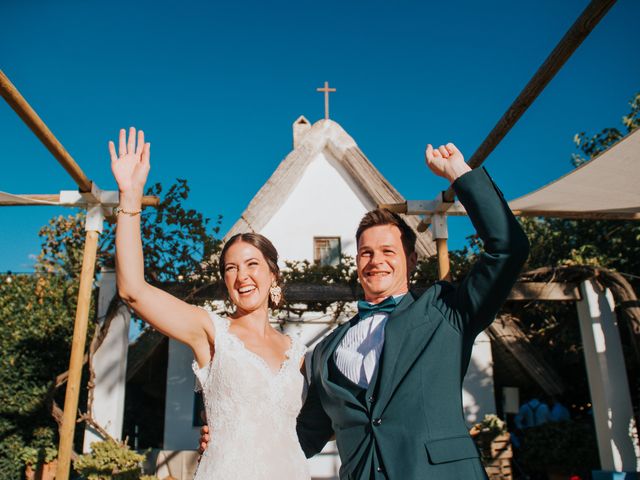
column 402, row 342
column 333, row 389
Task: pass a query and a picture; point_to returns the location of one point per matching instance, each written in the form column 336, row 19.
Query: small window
column 326, row 250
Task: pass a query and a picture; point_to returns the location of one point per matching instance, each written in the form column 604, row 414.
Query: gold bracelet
column 118, row 210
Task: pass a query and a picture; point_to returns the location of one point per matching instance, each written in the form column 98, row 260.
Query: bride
column 248, row 371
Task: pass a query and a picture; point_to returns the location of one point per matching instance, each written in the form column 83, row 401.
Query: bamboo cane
column 77, row 352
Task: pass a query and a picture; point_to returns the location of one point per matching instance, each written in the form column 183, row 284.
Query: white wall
column 478, row 398
column 110, row 366
column 322, row 204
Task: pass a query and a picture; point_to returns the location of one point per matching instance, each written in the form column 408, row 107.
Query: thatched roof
column 325, row 136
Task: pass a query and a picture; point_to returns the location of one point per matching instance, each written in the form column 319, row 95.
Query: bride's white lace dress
column 251, row 412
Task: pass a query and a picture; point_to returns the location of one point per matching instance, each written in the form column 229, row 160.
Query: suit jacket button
column 380, row 469
column 377, row 421
column 372, row 399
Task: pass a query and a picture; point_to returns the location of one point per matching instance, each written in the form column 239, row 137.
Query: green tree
column 36, row 324
column 590, row 146
column 176, row 240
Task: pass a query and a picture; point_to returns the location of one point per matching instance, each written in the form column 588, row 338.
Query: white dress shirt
column 359, row 350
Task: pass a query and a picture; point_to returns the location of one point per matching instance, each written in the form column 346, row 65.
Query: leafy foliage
column 426, row 272
column 11, row 445
column 110, row 460
column 592, row 146
column 305, row 272
column 41, row 449
column 36, row 324
column 568, row 446
column 613, row 244
column 491, row 424
column 176, row 240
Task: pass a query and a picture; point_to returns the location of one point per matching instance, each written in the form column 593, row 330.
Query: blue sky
column 216, row 86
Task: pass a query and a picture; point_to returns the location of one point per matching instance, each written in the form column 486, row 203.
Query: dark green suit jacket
column 410, row 424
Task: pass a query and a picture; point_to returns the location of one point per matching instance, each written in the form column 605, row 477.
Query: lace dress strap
column 297, row 350
column 221, row 328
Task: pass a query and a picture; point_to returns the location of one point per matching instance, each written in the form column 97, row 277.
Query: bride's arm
column 166, row 313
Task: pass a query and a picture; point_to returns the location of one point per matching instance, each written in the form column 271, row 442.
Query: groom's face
column 383, row 266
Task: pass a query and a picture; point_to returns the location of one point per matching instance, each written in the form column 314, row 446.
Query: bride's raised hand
column 131, row 166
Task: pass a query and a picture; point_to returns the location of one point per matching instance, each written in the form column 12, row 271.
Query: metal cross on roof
column 326, row 91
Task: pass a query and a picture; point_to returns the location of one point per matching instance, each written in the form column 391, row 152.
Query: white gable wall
column 321, row 204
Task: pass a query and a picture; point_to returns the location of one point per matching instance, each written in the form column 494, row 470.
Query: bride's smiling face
column 247, row 277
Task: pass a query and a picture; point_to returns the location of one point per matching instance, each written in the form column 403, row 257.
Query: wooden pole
column 37, row 126
column 77, row 352
column 444, row 266
column 440, row 233
column 40, row 199
column 581, row 28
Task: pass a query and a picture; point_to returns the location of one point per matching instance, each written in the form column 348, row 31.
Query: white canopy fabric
column 606, row 187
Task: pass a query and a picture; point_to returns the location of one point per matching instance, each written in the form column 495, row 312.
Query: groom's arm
column 313, row 425
column 473, row 305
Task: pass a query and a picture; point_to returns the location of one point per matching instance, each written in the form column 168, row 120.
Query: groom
column 388, row 382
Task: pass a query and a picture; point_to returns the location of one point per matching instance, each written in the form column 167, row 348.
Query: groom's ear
column 412, row 262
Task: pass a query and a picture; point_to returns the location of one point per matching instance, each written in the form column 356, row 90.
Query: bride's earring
column 275, row 292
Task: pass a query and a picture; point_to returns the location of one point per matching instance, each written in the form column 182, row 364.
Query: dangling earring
column 275, row 292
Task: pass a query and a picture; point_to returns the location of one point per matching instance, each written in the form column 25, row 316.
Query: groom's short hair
column 382, row 216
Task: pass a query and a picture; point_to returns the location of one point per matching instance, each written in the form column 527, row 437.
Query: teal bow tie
column 366, row 309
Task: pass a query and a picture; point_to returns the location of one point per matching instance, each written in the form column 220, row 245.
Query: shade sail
column 607, row 186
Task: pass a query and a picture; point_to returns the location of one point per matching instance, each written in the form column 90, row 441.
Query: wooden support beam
column 77, row 353
column 303, row 292
column 581, row 28
column 546, row 291
column 508, row 335
column 48, row 200
column 16, row 101
column 394, row 207
column 426, row 207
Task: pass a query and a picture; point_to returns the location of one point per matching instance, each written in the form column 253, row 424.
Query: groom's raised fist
column 446, row 161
